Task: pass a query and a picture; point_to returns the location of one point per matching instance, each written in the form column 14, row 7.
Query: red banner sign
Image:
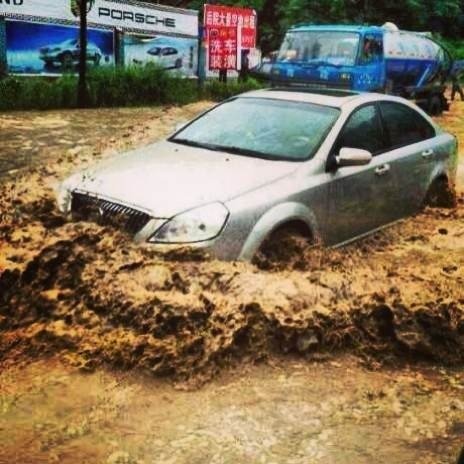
column 228, row 31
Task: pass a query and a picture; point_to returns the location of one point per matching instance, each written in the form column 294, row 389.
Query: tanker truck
column 365, row 58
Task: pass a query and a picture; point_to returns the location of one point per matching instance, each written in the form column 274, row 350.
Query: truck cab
column 347, row 57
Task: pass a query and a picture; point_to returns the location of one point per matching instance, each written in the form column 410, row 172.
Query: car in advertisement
column 169, row 53
column 34, row 48
column 166, row 57
column 67, row 53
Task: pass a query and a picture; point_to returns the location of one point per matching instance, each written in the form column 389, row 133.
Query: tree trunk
column 82, row 100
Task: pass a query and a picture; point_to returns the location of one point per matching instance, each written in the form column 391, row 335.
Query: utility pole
column 82, row 97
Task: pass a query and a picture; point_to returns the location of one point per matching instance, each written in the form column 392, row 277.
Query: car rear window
column 404, row 126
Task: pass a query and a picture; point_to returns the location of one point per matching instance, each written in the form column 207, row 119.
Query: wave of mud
column 90, row 293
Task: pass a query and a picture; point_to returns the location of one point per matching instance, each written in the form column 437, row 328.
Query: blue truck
column 365, row 58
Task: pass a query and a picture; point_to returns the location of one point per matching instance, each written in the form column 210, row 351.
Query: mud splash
column 89, row 293
column 101, row 300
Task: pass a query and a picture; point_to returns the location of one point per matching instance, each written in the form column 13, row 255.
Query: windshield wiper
column 193, row 143
column 231, row 149
column 253, row 153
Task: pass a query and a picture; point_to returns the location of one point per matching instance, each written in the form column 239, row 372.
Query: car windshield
column 328, row 47
column 262, row 128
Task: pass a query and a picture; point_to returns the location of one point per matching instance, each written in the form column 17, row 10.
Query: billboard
column 176, row 54
column 229, row 31
column 34, row 48
column 126, row 15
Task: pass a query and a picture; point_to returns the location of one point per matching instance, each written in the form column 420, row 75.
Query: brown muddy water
column 90, row 323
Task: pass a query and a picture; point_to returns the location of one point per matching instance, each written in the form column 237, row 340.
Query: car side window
column 170, row 51
column 404, row 126
column 363, row 130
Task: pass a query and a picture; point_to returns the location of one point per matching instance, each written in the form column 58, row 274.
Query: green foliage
column 18, row 93
column 132, row 86
column 109, row 87
column 217, row 91
column 455, row 47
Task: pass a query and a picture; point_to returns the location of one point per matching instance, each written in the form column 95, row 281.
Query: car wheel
column 66, row 59
column 97, row 59
column 441, row 194
column 284, row 248
column 178, row 64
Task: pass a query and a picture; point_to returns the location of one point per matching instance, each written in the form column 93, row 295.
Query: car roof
column 335, row 28
column 328, row 97
column 335, row 98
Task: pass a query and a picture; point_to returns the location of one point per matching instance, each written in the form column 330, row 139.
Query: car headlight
column 64, row 191
column 63, row 198
column 196, row 225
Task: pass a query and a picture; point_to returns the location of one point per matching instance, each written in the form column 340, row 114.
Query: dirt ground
column 115, row 353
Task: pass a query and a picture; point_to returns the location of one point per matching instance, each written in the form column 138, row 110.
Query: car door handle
column 382, row 170
column 427, row 153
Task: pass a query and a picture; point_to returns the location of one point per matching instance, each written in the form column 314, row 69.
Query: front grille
column 103, row 212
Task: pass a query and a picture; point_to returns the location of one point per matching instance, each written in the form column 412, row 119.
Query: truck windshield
column 320, row 47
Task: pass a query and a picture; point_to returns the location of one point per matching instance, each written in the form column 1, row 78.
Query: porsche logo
column 76, row 3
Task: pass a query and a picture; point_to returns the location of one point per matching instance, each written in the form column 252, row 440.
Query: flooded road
column 349, row 355
column 292, row 411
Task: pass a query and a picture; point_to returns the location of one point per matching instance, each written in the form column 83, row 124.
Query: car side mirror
column 353, row 157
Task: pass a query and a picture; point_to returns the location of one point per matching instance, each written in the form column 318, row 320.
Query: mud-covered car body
column 229, row 199
column 68, row 52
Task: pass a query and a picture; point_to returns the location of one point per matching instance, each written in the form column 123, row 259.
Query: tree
column 83, row 7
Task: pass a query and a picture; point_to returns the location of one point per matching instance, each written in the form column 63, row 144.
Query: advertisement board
column 229, row 31
column 34, row 48
column 176, row 54
column 126, row 15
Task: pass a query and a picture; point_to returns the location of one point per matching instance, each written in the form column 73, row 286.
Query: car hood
column 165, row 179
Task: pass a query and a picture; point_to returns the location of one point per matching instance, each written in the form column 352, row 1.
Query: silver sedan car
column 332, row 165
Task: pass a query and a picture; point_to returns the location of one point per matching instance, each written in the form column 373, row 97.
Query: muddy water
column 99, row 301
column 290, row 412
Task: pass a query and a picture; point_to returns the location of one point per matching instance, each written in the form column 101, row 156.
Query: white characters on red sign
column 216, row 62
column 209, row 18
column 230, row 46
column 216, row 46
column 231, row 61
column 252, row 22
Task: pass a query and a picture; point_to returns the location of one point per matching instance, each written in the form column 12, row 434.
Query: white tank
column 411, row 46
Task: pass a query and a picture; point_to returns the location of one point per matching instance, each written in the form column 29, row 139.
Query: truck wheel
column 434, row 105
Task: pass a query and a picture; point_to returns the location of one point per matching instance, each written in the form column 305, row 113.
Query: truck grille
column 88, row 208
